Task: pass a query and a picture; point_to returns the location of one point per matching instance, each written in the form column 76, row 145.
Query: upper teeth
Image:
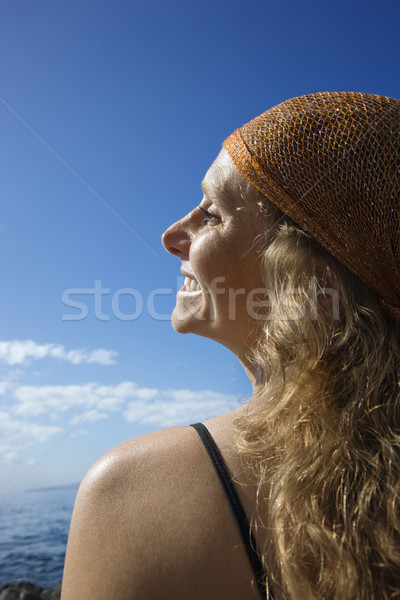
column 192, row 284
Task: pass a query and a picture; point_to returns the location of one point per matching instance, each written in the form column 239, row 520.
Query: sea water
column 33, row 535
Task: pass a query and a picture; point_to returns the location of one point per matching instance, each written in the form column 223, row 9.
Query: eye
column 209, row 217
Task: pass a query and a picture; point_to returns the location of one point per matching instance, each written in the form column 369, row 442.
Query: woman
column 292, row 261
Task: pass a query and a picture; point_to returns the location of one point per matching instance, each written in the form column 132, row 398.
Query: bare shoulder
column 140, row 464
column 118, row 524
column 150, row 516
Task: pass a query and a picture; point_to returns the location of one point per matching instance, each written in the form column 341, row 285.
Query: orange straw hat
column 331, row 162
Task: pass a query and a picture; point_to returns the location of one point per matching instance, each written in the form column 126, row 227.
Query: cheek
column 206, row 256
column 229, row 255
column 245, row 269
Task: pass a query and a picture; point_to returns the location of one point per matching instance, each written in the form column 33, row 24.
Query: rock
column 21, row 591
column 28, row 591
column 53, row 593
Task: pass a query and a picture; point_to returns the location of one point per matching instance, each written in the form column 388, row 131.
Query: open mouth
column 191, row 285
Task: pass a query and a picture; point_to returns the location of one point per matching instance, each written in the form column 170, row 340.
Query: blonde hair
column 322, row 437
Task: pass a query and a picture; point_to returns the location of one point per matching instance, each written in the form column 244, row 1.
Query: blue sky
column 110, row 114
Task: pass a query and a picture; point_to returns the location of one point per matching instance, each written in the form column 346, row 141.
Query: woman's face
column 219, row 246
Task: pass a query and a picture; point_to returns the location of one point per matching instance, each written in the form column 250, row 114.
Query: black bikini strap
column 235, row 504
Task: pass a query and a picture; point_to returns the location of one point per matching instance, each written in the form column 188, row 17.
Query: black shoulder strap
column 236, row 506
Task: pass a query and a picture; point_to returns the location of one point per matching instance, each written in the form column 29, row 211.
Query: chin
column 201, row 327
column 180, row 327
column 183, row 323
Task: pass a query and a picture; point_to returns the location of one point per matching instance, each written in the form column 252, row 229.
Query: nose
column 176, row 239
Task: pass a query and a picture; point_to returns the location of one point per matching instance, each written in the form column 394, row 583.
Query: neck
column 253, row 372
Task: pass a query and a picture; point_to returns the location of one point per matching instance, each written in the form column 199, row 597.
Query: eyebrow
column 210, row 188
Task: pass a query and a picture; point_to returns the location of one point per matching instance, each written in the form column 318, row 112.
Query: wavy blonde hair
column 322, row 437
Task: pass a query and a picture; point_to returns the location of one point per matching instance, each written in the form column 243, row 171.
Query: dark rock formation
column 28, row 591
column 53, row 593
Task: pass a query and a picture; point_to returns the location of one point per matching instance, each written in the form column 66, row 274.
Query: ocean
column 33, row 535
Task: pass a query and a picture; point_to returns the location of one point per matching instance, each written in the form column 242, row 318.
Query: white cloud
column 146, row 393
column 60, row 407
column 56, row 399
column 38, row 400
column 179, row 407
column 14, row 430
column 90, row 416
column 5, row 386
column 18, row 352
column 142, row 405
column 17, row 434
